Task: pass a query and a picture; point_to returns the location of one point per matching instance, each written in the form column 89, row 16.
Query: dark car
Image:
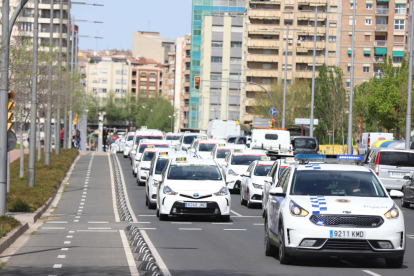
column 304, row 145
column 408, row 190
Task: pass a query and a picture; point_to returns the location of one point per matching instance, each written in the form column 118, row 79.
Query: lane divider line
column 190, row 229
column 235, row 229
column 371, row 273
column 156, row 255
column 237, row 214
column 130, row 258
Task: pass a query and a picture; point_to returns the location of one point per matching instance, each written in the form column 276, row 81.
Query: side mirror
column 396, row 194
column 277, row 191
column 406, row 177
column 184, row 148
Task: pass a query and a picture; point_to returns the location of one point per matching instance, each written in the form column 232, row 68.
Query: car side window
column 286, row 180
column 281, row 179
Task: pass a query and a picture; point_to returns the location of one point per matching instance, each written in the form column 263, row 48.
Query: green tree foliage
column 298, row 96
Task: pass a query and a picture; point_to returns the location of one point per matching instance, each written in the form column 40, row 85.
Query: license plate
column 399, row 174
column 347, row 234
column 195, row 205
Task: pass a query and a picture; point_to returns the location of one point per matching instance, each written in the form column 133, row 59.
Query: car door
column 279, row 199
column 245, row 179
column 272, row 208
column 268, row 183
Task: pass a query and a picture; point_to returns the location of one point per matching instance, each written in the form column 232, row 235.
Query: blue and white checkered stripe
column 318, row 204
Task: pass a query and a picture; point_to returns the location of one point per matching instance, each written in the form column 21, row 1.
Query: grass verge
column 47, row 179
column 7, row 223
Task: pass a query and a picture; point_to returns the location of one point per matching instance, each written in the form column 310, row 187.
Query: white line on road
column 82, row 200
column 371, row 273
column 76, row 220
column 56, row 221
column 147, row 228
column 261, row 224
column 237, row 214
column 225, row 223
column 71, row 232
column 157, row 256
column 411, row 238
column 82, row 204
column 89, row 228
column 98, row 231
column 57, row 266
column 61, row 256
column 146, row 215
column 65, row 249
column 179, row 222
column 410, row 235
column 130, row 258
column 235, row 229
column 98, row 221
column 140, row 222
column 53, row 228
column 113, row 191
column 67, row 242
column 69, row 237
column 190, row 229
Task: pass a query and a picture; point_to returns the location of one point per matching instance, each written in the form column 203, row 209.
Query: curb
column 12, row 237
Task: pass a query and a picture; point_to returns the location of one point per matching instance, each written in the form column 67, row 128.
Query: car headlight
column 231, row 172
column 258, row 186
column 155, row 183
column 392, row 213
column 168, row 191
column 223, row 192
column 296, row 210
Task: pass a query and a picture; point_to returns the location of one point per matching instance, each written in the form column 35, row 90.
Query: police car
column 156, row 167
column 187, row 139
column 220, row 152
column 253, row 180
column 327, row 207
column 193, row 187
column 143, row 144
column 203, row 147
column 236, row 163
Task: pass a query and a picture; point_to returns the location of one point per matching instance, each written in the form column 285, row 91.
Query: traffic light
column 197, row 83
column 75, row 121
column 10, row 111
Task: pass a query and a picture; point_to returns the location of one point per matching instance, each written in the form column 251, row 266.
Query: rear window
column 206, row 147
column 281, row 170
column 148, row 156
column 189, row 139
column 262, row 170
column 305, row 143
column 172, row 138
column 139, row 138
column 221, row 154
column 400, row 159
column 244, row 159
column 130, row 138
column 194, row 172
column 241, row 141
column 159, row 167
column 271, row 136
column 231, row 140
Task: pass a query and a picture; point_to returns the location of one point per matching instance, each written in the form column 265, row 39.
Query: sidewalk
column 15, row 154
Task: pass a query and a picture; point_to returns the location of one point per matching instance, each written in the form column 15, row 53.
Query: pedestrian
column 78, row 139
column 105, row 138
column 62, row 135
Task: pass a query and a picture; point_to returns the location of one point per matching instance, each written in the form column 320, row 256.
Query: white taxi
column 236, row 163
column 129, row 142
column 187, row 139
column 143, row 144
column 251, row 188
column 203, row 147
column 193, row 187
column 220, row 152
column 331, row 208
column 143, row 166
column 173, row 138
column 157, row 165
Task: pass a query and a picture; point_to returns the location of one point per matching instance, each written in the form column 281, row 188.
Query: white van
column 221, row 129
column 275, row 140
column 367, row 139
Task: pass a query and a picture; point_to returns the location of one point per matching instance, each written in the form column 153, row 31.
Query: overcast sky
column 172, row 18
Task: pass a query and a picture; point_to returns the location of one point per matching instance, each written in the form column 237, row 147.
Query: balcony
column 187, row 72
column 309, row 59
column 275, row 2
column 380, row 43
column 187, row 84
column 309, row 44
column 262, row 58
column 311, row 16
column 187, row 59
column 264, row 14
column 263, row 29
column 186, row 96
column 381, row 27
column 312, row 2
column 263, row 44
column 378, row 59
column 255, row 88
column 378, row 74
column 311, row 30
column 269, row 73
column 381, row 11
column 303, row 74
column 187, row 47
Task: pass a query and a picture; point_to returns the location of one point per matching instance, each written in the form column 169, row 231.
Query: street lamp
column 410, row 84
column 171, row 121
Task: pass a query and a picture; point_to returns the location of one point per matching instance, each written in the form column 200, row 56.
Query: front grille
column 201, row 197
column 257, row 197
column 351, row 221
column 179, row 208
column 344, row 244
column 195, row 211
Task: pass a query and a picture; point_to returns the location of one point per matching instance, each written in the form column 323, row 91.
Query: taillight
column 376, row 168
column 369, row 142
column 211, row 136
column 318, row 150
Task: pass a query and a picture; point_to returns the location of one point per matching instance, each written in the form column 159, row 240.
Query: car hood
column 221, row 161
column 344, row 204
column 239, row 169
column 205, row 154
column 258, row 179
column 144, row 164
column 196, row 186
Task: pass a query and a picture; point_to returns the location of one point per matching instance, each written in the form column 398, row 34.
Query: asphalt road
column 209, row 247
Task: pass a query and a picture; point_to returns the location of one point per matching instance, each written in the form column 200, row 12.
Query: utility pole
column 67, row 88
column 71, row 68
column 285, row 80
column 351, row 90
column 48, row 138
column 57, row 127
column 4, row 99
column 410, row 83
column 33, row 107
column 313, row 73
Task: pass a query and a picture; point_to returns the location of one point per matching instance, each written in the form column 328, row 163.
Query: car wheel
column 151, row 205
column 394, row 263
column 163, row 217
column 270, row 249
column 284, row 258
column 404, row 204
column 242, row 200
column 225, row 218
column 249, row 204
column 158, row 212
column 146, row 201
column 125, row 156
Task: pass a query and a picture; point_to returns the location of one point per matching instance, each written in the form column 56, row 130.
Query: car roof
column 213, row 141
column 195, row 161
column 175, row 134
column 195, row 134
column 332, row 167
column 153, row 142
column 249, row 152
column 392, row 150
column 231, row 146
column 259, row 162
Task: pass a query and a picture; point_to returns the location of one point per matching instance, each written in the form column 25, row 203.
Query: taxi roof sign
column 151, row 147
column 144, row 140
column 265, row 158
column 144, row 127
column 238, row 151
column 204, row 138
column 187, row 132
column 181, row 159
column 222, row 145
column 164, row 153
column 302, row 158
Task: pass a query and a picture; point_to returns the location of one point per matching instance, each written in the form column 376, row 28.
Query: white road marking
column 98, row 231
column 371, row 273
column 98, row 221
column 89, row 228
column 83, row 199
column 79, row 214
column 235, row 229
column 56, row 221
column 61, row 256
column 157, row 256
column 76, row 220
column 146, row 215
column 130, row 258
column 82, row 204
column 80, row 210
column 71, row 232
column 225, row 223
column 67, row 242
column 140, row 222
column 179, row 222
column 80, row 207
column 237, row 214
column 85, row 189
column 113, row 191
column 65, row 249
column 261, row 224
column 410, row 235
column 77, row 217
column 54, row 228
column 411, row 238
column 69, row 237
column 190, row 229
column 85, row 193
column 57, row 266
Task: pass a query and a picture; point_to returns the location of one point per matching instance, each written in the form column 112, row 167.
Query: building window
column 102, row 90
column 95, row 80
column 397, row 59
column 348, row 68
column 95, row 89
column 237, row 61
column 94, row 71
column 215, row 76
column 399, row 24
column 400, row 8
column 349, row 54
column 348, row 84
column 398, row 39
column 351, row 6
column 120, row 91
column 266, row 66
column 267, row 36
column 267, row 51
column 367, row 54
column 332, row 38
column 216, row 44
column 289, row 22
column 152, row 75
column 236, row 45
column 103, row 71
column 368, row 22
column 350, row 37
column 366, row 69
column 368, row 6
column 367, row 38
column 125, row 72
column 234, row 76
column 216, row 59
column 267, row 81
column 119, row 81
column 266, row 21
column 118, row 72
column 103, row 80
column 350, row 21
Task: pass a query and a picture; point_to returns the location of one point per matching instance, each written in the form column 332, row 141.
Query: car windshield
column 222, row 153
column 281, row 170
column 194, row 172
column 336, row 183
column 189, row 139
column 148, row 156
column 159, row 167
column 262, row 170
column 241, row 141
column 244, row 159
column 206, row 147
column 172, row 138
column 231, row 140
column 400, row 159
column 305, row 143
column 143, row 147
column 139, row 138
column 130, row 138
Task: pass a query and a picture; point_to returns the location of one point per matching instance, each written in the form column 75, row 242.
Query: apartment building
column 200, row 9
column 146, row 79
column 151, row 45
column 169, row 75
column 380, row 31
column 220, row 69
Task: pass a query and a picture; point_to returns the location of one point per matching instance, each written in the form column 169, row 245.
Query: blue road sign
column 273, row 111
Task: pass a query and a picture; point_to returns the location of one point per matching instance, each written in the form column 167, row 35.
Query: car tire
column 270, row 249
column 404, row 204
column 225, row 218
column 125, row 156
column 284, row 258
column 140, row 183
column 158, row 212
column 249, row 204
column 151, row 205
column 146, row 201
column 394, row 263
column 242, row 200
column 163, row 217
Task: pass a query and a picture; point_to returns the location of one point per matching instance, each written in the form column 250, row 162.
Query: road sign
column 273, row 111
column 11, row 140
column 304, row 121
column 329, row 132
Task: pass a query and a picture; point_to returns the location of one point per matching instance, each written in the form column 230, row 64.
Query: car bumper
column 255, row 196
column 152, row 193
column 392, row 183
column 175, row 205
column 235, row 184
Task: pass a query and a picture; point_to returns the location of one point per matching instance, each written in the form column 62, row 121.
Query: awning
column 380, row 51
column 398, row 53
column 383, row 1
column 349, row 52
column 367, row 52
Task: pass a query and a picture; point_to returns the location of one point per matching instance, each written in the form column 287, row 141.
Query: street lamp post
column 410, row 83
column 351, row 90
column 171, row 121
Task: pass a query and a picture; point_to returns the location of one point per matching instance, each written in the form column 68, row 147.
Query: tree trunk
column 21, row 143
column 398, row 133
